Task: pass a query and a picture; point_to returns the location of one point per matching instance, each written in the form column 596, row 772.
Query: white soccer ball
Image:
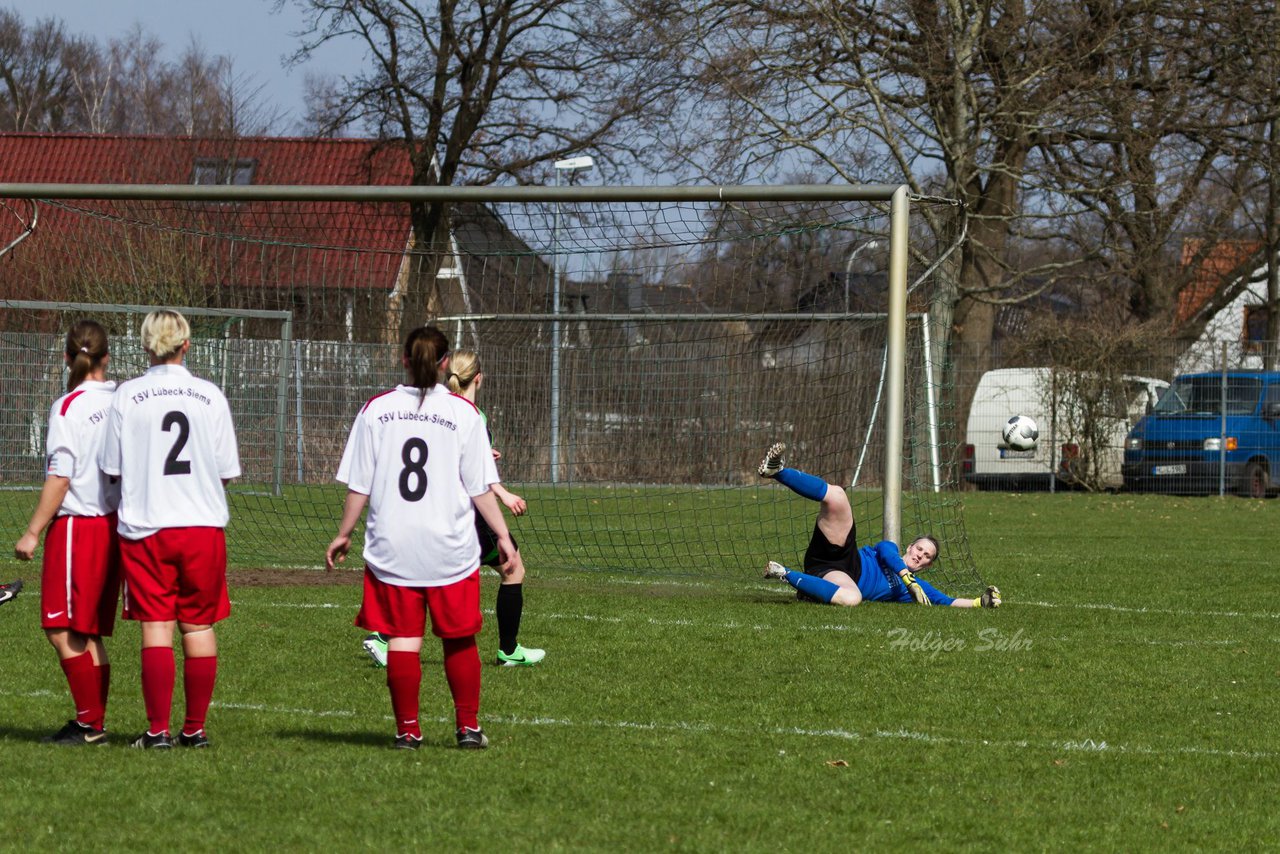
column 1021, row 433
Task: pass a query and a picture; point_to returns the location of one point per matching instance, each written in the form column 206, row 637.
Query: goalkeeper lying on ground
column 836, row 571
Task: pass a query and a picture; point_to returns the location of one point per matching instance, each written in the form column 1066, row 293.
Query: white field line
column 784, row 590
column 1086, row 745
column 1103, row 606
column 731, row 626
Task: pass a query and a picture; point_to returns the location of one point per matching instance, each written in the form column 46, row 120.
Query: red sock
column 104, row 689
column 157, row 686
column 82, row 679
column 198, row 676
column 404, row 680
column 462, row 669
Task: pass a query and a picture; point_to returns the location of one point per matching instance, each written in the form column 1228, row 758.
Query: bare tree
column 484, row 92
column 1085, row 140
column 51, row 81
column 1150, row 155
column 38, row 69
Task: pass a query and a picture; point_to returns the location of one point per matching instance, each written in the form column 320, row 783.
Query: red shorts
column 401, row 612
column 80, row 576
column 176, row 574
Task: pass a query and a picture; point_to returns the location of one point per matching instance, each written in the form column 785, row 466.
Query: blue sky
column 249, row 31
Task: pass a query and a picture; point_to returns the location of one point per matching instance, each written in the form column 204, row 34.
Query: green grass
column 1123, row 699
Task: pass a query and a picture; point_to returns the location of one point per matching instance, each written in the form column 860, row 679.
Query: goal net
column 639, row 357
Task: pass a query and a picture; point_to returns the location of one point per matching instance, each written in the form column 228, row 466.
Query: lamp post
column 570, row 165
column 848, row 267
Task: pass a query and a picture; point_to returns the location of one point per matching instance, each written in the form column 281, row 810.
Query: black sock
column 510, row 604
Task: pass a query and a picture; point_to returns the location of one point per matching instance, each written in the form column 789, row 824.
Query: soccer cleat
column 521, row 657
column 775, row 570
column 773, row 461
column 10, row 590
column 376, row 645
column 405, row 741
column 472, row 739
column 148, row 741
column 75, row 734
column 197, row 739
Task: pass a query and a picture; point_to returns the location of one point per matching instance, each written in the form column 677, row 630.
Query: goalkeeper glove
column 917, row 592
column 990, row 597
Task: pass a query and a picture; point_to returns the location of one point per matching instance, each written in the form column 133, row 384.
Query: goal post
column 759, row 346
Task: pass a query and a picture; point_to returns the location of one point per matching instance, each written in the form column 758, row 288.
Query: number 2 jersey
column 420, row 460
column 171, row 441
column 77, row 427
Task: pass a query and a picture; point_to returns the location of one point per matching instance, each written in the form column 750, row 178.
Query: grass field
column 1124, row 698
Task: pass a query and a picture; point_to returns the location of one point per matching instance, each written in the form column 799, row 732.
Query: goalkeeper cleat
column 472, row 739
column 991, row 597
column 10, row 590
column 521, row 657
column 376, row 645
column 773, row 461
column 775, row 570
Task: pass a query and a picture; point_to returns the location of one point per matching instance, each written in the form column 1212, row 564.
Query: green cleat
column 521, row 657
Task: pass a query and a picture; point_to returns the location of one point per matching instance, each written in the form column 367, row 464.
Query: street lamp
column 570, row 165
column 848, row 267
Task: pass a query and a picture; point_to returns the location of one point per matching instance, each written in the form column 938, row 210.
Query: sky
column 249, row 31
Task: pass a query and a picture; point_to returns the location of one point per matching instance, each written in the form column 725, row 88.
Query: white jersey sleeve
column 77, row 429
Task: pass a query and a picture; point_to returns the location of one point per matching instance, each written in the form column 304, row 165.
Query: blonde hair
column 463, row 367
column 163, row 332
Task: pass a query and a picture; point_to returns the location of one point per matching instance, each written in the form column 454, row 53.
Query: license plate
column 1178, row 469
column 1010, row 454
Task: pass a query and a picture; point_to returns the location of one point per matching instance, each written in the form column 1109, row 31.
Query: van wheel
column 1256, row 481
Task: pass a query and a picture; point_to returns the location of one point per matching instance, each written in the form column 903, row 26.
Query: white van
column 1060, row 457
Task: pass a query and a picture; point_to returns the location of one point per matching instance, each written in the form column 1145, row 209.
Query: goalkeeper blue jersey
column 879, row 581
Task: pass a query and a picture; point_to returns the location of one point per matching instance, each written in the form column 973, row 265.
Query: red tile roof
column 257, row 244
column 1218, row 263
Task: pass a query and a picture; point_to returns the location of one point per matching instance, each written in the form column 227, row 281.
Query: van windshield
column 1203, row 395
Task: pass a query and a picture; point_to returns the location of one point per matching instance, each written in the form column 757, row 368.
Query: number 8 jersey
column 420, row 465
column 171, row 441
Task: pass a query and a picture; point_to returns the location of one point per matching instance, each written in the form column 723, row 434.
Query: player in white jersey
column 171, row 440
column 80, row 579
column 419, row 458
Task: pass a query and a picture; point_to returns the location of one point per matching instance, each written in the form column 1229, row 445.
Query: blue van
column 1190, row 443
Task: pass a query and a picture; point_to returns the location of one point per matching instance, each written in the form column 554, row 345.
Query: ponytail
column 85, row 350
column 464, row 365
column 425, row 347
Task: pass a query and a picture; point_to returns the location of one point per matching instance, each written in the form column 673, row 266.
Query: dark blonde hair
column 86, row 348
column 464, row 366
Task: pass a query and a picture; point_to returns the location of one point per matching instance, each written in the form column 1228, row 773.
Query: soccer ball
column 1021, row 433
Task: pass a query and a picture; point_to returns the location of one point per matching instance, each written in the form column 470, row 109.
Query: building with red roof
column 341, row 268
